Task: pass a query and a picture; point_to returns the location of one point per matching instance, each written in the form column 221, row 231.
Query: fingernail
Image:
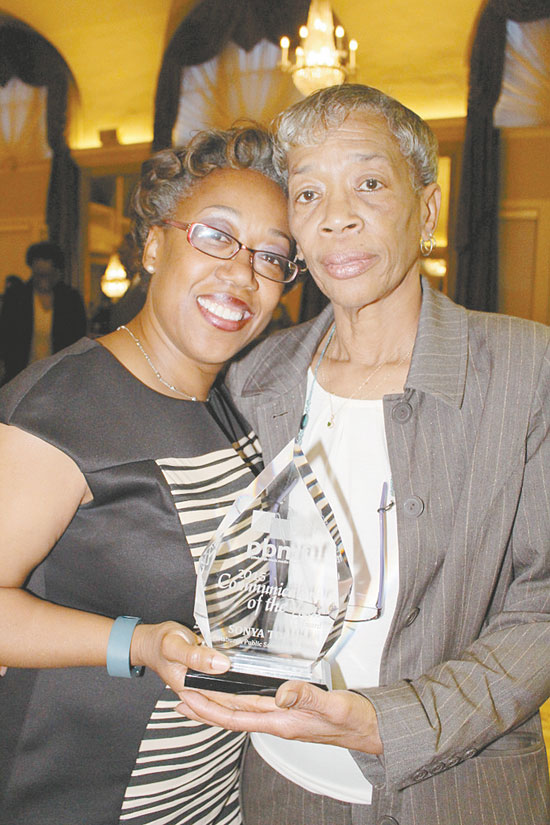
column 219, row 663
column 288, row 699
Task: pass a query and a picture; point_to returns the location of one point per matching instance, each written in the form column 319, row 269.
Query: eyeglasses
column 221, row 245
column 359, row 612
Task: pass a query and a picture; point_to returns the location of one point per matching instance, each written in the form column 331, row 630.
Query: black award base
column 233, row 682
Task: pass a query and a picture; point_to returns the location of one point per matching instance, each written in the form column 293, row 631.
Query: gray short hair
column 307, row 122
column 170, row 175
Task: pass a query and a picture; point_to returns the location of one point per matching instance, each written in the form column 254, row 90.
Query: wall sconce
column 320, row 60
column 435, row 267
column 114, row 281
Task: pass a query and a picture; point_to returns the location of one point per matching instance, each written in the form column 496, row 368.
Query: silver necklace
column 139, row 345
column 355, row 393
column 307, row 406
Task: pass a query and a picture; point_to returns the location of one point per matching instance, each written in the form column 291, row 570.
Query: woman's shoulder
column 508, row 337
column 287, row 350
column 487, row 331
column 47, row 378
column 60, row 399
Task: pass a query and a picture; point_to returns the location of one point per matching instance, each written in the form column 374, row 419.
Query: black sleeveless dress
column 78, row 747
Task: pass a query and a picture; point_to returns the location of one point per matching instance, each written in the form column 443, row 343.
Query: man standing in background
column 42, row 316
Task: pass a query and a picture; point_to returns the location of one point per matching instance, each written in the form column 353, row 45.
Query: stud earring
column 150, row 269
column 427, row 245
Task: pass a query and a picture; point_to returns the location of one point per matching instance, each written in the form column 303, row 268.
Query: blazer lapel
column 273, row 395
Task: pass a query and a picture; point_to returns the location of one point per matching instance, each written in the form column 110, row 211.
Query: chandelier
column 320, row 59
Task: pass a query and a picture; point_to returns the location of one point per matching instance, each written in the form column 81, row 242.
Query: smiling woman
column 101, row 521
column 201, row 309
column 210, row 293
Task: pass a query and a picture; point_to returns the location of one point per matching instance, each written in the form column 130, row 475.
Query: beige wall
column 525, row 163
column 23, row 193
column 524, row 281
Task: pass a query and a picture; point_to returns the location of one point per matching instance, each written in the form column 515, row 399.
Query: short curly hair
column 169, row 175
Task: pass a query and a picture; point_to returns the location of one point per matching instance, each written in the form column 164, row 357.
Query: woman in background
column 118, row 459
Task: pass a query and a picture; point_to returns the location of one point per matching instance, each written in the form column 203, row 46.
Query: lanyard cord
column 307, row 406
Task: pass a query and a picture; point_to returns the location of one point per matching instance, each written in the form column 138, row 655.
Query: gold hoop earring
column 427, row 246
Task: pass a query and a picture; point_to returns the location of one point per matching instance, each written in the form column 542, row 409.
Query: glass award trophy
column 273, row 583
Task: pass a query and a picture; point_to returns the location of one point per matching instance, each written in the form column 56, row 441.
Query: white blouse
column 345, row 443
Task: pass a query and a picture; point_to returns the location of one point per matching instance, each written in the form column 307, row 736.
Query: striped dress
column 79, row 746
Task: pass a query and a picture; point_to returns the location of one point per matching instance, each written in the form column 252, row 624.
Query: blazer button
column 412, row 616
column 401, row 412
column 439, row 767
column 469, row 753
column 387, row 820
column 418, row 776
column 413, row 506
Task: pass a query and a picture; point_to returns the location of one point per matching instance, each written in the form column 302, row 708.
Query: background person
column 43, row 317
column 435, row 716
column 118, row 459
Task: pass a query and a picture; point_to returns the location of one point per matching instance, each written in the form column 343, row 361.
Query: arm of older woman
column 40, row 490
column 299, row 711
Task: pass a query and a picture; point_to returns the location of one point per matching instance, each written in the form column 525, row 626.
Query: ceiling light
column 320, row 59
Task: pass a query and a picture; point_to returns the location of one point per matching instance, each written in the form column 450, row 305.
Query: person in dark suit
column 41, row 317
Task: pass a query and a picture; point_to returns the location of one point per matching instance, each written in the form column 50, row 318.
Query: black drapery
column 28, row 56
column 205, row 32
column 477, row 225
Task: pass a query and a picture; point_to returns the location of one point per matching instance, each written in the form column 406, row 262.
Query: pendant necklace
column 355, row 393
column 330, row 423
column 159, row 377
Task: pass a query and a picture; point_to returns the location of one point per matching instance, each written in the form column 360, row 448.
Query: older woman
column 435, row 716
column 118, row 458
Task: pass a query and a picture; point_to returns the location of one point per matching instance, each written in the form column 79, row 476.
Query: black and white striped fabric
column 187, row 772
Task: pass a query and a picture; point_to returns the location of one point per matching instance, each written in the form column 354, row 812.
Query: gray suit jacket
column 466, row 663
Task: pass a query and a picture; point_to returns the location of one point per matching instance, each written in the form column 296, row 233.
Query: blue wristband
column 118, row 648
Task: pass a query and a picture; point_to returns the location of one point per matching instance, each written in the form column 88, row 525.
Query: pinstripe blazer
column 466, row 663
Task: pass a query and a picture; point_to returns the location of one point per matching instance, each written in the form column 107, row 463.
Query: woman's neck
column 148, row 355
column 370, row 351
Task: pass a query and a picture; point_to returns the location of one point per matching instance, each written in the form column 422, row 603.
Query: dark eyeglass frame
column 188, row 228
